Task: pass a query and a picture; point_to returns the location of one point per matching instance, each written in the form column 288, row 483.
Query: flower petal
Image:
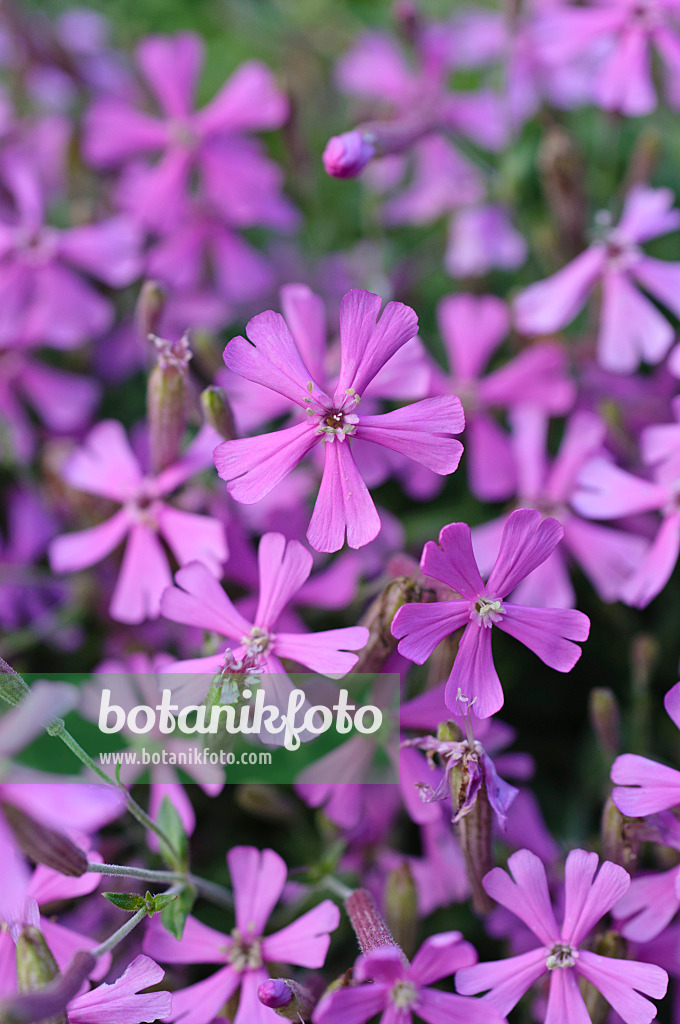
column 284, row 567
column 439, row 956
column 144, row 575
column 74, row 551
column 618, row 981
column 421, row 627
column 551, row 304
column 366, row 342
column 474, row 673
column 644, row 786
column 420, row 431
column 255, row 465
column 453, row 561
column 305, row 942
column 507, row 979
column 343, row 503
column 527, row 541
column 547, row 632
column 588, row 897
column 258, row 878
column 202, row 602
column 525, row 894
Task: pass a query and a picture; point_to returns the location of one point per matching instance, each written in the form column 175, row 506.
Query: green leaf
column 161, row 901
column 170, row 823
column 174, row 915
column 130, row 902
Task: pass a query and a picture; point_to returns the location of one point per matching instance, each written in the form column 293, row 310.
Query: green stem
column 209, row 890
column 337, row 887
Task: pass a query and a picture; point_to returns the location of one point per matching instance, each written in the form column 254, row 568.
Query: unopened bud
column 562, row 175
column 266, row 802
column 49, row 1003
column 401, row 907
column 644, row 654
column 166, row 400
column 620, row 842
column 149, row 309
column 475, row 834
column 345, row 156
column 12, row 687
column 368, row 923
column 378, row 620
column 35, row 964
column 605, row 718
column 217, row 412
column 45, row 845
column 289, row 999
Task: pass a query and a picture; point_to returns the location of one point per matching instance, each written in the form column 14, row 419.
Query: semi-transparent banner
column 151, row 727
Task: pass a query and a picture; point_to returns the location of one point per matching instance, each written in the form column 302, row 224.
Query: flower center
column 485, row 612
column 245, row 954
column 258, row 641
column 333, row 421
column 561, row 955
column 404, row 994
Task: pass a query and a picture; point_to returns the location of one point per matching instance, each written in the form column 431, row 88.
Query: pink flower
column 527, row 541
column 123, row 1001
column 44, row 297
column 607, row 492
column 199, row 600
column 255, row 465
column 631, row 327
column 607, row 556
column 258, row 879
column 107, row 466
column 399, row 989
column 644, row 786
column 210, row 141
column 472, row 329
column 587, row 898
column 483, row 238
column 620, row 35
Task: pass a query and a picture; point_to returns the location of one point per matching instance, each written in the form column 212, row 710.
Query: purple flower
column 472, row 328
column 209, row 141
column 607, row 492
column 399, row 989
column 44, row 299
column 123, row 1001
column 527, row 541
column 631, row 327
column 422, row 431
column 587, row 898
column 107, row 466
column 644, row 786
column 619, row 35
column 607, row 556
column 199, row 600
column 258, row 878
column 483, row 238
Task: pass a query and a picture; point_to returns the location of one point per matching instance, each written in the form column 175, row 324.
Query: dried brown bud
column 44, row 845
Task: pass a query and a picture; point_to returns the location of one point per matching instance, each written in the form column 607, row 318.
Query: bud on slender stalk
column 401, row 907
column 346, row 155
column 217, row 412
column 605, row 718
column 36, row 966
column 44, row 845
column 287, row 998
column 619, row 841
column 166, row 400
column 368, row 923
column 12, row 687
column 149, row 309
column 49, row 1003
column 475, row 833
column 378, row 620
column 644, row 655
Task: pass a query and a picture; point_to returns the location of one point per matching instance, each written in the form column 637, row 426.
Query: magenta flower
column 631, row 327
column 255, row 465
column 124, row 1001
column 44, row 297
column 107, row 466
column 210, row 141
column 607, row 492
column 619, row 37
column 258, row 878
column 607, row 556
column 644, row 786
column 199, row 600
column 398, row 990
column 482, row 238
column 527, row 541
column 587, row 899
column 473, row 328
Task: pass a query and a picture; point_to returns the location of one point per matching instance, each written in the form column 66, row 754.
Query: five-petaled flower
column 527, row 541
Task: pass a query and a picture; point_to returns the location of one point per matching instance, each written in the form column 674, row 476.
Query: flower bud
column 166, row 400
column 401, row 907
column 44, row 845
column 605, row 718
column 620, row 843
column 289, row 999
column 345, row 156
column 36, row 966
column 48, row 1004
column 368, row 923
column 475, row 835
column 149, row 309
column 12, row 687
column 217, row 412
column 378, row 620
